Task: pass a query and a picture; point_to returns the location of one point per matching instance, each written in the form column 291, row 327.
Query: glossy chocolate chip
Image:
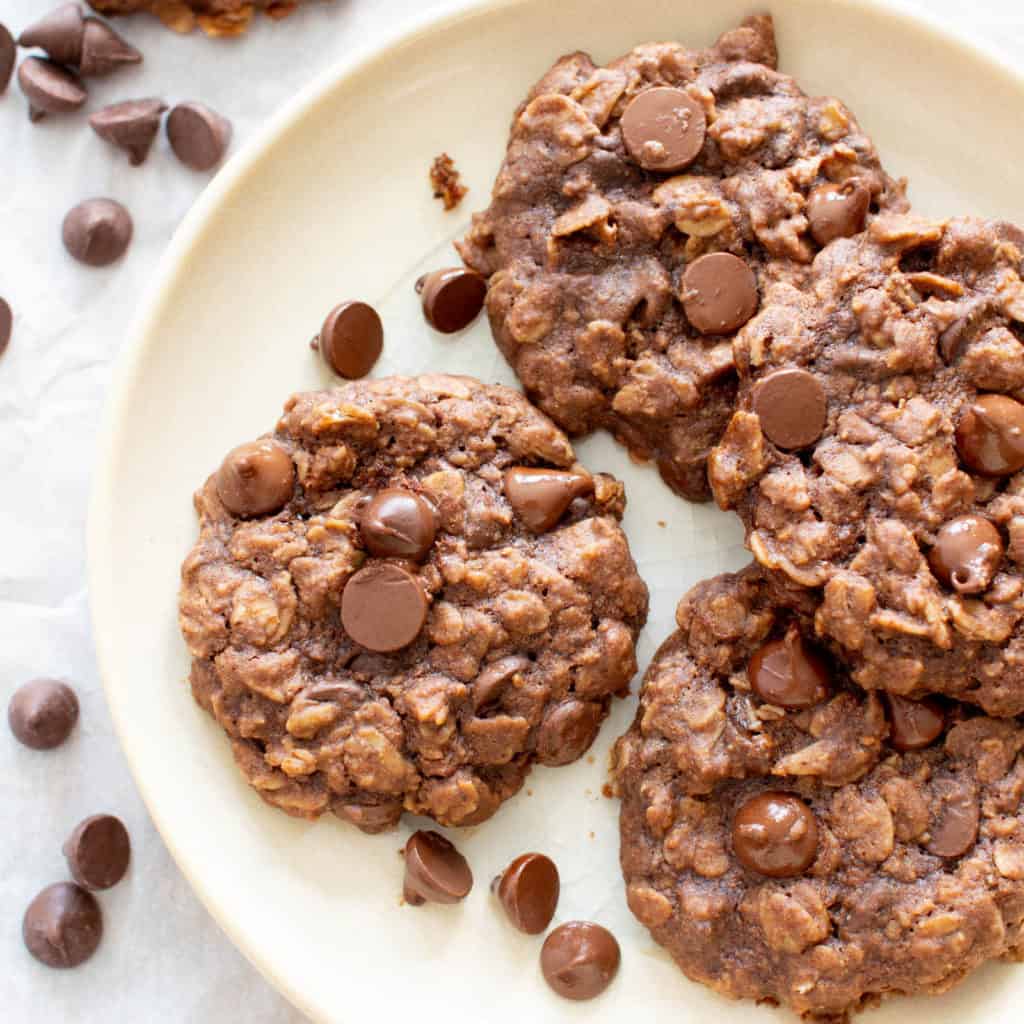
column 955, row 818
column 528, row 891
column 6, row 325
column 914, row 724
column 98, row 852
column 567, row 731
column 396, row 523
column 489, row 686
column 990, row 435
column 719, row 293
column 789, row 672
column 435, row 872
column 97, row 232
column 539, row 497
column 8, row 57
column 50, row 88
column 104, row 51
column 131, row 126
column 580, row 959
column 383, row 607
column 63, row 925
column 967, row 553
column 256, row 478
column 775, row 834
column 792, row 408
column 59, row 33
column 838, row 211
column 42, row 713
column 452, row 298
column 198, row 135
column 352, row 339
column 663, row 129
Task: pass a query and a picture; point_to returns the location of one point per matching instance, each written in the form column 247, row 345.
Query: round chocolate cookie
column 877, row 449
column 821, row 856
column 641, row 211
column 405, row 597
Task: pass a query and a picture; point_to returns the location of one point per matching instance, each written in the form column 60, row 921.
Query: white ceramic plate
column 332, row 203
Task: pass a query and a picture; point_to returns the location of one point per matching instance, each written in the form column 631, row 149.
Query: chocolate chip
column 663, row 129
column 792, row 408
column 131, row 126
column 383, row 607
column 398, row 524
column 97, row 232
column 104, row 51
column 914, row 724
column 775, row 834
column 50, row 88
column 580, row 959
column 789, row 673
column 435, row 871
column 452, row 299
column 352, row 339
column 838, row 211
column 956, row 816
column 8, row 57
column 6, row 325
column 490, row 684
column 528, row 891
column 967, row 553
column 990, row 435
column 540, row 496
column 63, row 925
column 59, row 33
column 98, row 852
column 567, row 731
column 42, row 713
column 719, row 293
column 256, row 479
column 198, row 135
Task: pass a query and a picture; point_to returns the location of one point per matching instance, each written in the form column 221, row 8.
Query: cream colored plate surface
column 332, row 203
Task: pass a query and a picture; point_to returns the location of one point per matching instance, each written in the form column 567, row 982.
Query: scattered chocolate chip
column 967, row 553
column 256, row 478
column 990, row 435
column 540, row 496
column 914, row 724
column 663, row 129
column 63, row 925
column 789, row 673
column 59, row 33
column 580, row 959
column 50, row 88
column 8, row 57
column 383, row 607
column 838, row 211
column 528, row 891
column 42, row 713
column 98, row 852
column 131, row 126
column 490, row 684
column 398, row 524
column 352, row 339
column 104, row 51
column 719, row 293
column 567, row 731
column 956, row 816
column 792, row 408
column 97, row 232
column 6, row 325
column 198, row 135
column 452, row 299
column 775, row 834
column 435, row 871
column 444, row 180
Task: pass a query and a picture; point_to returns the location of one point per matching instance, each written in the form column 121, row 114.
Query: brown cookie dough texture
column 516, row 633
column 214, row 17
column 890, row 477
column 616, row 182
column 819, row 857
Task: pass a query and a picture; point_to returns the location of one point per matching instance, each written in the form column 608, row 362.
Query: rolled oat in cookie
column 404, row 597
column 820, row 855
column 641, row 210
column 877, row 452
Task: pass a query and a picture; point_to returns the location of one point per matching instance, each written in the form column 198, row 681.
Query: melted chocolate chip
column 567, row 731
column 914, row 724
column 452, row 299
column 59, row 33
column 540, row 496
column 490, row 684
column 955, row 818
column 104, row 51
column 838, row 211
column 967, row 553
column 256, row 479
column 663, row 129
column 528, row 891
column 789, row 673
column 42, row 713
column 435, row 871
column 383, row 607
column 50, row 88
column 398, row 524
column 580, row 959
column 719, row 293
column 131, row 126
column 352, row 339
column 98, row 852
column 63, row 925
column 990, row 435
column 97, row 232
column 198, row 135
column 775, row 834
column 8, row 57
column 792, row 408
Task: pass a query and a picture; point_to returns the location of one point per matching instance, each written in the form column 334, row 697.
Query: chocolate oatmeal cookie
column 791, row 838
column 877, row 453
column 641, row 209
column 214, row 17
column 404, row 597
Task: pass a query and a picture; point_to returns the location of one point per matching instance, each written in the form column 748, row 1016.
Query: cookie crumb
column 662, row 523
column 606, row 791
column 445, row 180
